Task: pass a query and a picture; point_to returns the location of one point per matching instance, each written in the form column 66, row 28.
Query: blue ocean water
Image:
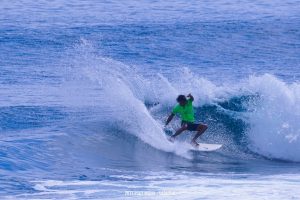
column 86, row 87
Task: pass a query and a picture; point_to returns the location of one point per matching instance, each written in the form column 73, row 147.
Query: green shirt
column 186, row 112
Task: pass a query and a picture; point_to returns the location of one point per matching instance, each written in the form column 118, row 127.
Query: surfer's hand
column 165, row 128
column 190, row 96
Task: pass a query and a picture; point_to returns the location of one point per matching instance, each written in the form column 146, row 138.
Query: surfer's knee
column 202, row 127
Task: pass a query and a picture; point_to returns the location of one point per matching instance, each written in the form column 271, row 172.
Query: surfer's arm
column 190, row 96
column 170, row 118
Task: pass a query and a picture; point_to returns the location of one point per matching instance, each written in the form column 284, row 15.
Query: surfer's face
column 182, row 103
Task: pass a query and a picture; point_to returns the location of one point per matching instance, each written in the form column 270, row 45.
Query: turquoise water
column 86, row 87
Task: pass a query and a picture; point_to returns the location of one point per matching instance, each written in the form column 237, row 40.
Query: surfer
column 186, row 112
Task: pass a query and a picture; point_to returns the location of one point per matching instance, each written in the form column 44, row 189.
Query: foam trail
column 121, row 93
column 130, row 113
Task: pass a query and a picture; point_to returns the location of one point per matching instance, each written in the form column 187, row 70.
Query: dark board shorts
column 190, row 125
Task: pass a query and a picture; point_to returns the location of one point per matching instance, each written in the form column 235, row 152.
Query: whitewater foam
column 274, row 122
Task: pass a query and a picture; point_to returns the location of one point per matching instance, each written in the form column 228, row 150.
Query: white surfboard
column 202, row 146
column 206, row 147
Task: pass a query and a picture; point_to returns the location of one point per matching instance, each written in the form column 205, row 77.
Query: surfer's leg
column 179, row 131
column 200, row 130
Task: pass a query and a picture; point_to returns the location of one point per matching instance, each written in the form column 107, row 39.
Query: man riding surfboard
column 186, row 113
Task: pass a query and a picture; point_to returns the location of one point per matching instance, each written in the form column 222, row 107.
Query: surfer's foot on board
column 194, row 144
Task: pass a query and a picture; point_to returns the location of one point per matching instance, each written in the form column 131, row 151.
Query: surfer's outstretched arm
column 190, row 96
column 169, row 118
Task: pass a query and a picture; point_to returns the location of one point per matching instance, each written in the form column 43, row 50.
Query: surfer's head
column 181, row 99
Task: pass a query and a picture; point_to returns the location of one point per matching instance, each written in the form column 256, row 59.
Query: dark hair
column 181, row 98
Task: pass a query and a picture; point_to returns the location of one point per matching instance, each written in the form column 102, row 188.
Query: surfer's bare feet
column 172, row 138
column 194, row 144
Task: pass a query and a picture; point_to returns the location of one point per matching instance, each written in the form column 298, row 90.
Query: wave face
column 108, row 114
column 257, row 115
